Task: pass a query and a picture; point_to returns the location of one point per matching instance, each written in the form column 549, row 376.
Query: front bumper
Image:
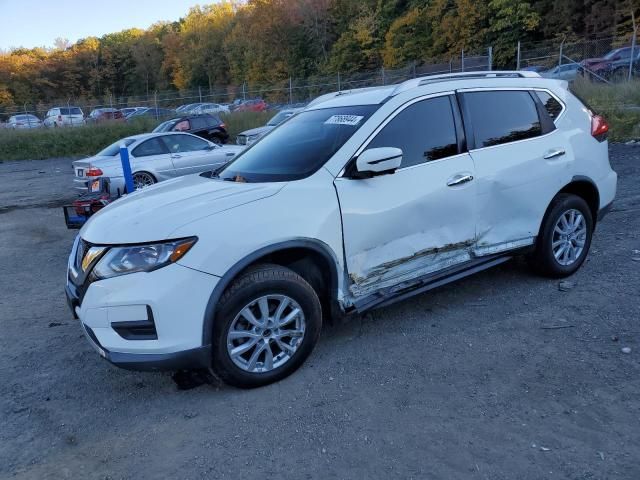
column 146, row 321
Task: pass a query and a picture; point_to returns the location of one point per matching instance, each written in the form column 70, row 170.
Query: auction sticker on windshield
column 344, row 120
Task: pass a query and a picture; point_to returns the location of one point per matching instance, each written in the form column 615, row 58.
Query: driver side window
column 182, row 126
column 425, row 131
column 184, row 143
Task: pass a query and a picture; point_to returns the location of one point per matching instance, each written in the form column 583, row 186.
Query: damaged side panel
column 402, row 226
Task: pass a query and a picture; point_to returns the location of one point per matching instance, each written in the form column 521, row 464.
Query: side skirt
column 394, row 294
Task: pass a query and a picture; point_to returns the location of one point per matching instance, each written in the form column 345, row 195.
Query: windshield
column 621, row 52
column 299, row 147
column 114, row 149
column 279, row 118
column 164, row 126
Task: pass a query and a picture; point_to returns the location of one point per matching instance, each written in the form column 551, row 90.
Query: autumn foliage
column 262, row 42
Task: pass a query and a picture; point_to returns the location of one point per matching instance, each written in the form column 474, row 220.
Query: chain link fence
column 610, row 60
column 288, row 92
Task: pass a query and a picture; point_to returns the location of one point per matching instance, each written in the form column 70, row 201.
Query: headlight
column 141, row 258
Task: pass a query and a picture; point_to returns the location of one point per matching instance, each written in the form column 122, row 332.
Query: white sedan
column 154, row 157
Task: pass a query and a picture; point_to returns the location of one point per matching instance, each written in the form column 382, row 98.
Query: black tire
column 543, row 260
column 256, row 282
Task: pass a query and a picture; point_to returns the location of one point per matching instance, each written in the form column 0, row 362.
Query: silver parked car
column 568, row 72
column 154, row 157
column 251, row 136
column 24, row 121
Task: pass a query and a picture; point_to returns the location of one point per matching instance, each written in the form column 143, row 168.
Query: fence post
column 339, row 86
column 518, row 57
column 450, row 65
column 244, row 91
column 290, row 92
column 155, row 101
column 490, row 58
column 414, row 69
column 200, row 93
column 633, row 45
column 561, row 50
column 68, row 110
column 462, row 61
column 384, row 82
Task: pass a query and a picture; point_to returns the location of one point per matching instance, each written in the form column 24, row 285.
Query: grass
column 89, row 140
column 620, row 104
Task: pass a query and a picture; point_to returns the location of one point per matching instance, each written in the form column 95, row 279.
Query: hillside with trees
column 266, row 41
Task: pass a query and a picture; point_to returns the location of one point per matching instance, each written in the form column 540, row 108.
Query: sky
column 37, row 23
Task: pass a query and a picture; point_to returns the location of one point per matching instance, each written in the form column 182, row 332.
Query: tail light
column 59, row 118
column 599, row 128
column 94, row 172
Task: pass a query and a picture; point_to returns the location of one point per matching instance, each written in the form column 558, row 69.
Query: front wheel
column 267, row 324
column 565, row 237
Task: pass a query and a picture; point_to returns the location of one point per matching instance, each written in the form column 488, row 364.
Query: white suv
column 64, row 117
column 365, row 198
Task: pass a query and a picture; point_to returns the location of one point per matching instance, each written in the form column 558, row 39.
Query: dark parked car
column 104, row 114
column 207, row 126
column 614, row 64
column 156, row 113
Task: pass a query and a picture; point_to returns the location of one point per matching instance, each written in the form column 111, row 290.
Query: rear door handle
column 554, row 154
column 459, row 180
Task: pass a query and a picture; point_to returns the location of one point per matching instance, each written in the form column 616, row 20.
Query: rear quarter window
column 552, row 106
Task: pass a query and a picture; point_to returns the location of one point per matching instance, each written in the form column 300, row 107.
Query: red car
column 257, row 105
column 104, row 114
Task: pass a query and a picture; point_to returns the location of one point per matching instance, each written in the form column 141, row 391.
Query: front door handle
column 176, row 156
column 459, row 180
column 554, row 154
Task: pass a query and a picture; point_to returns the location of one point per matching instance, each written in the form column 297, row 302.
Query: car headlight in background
column 141, row 258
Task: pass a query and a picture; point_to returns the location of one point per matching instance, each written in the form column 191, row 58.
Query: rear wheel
column 142, row 180
column 565, row 237
column 267, row 324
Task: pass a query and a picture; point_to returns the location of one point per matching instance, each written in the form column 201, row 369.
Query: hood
column 257, row 131
column 593, row 61
column 154, row 213
column 235, row 149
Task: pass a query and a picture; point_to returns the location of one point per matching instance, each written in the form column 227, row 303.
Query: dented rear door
column 418, row 220
column 521, row 162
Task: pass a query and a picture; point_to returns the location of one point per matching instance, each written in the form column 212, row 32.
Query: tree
column 510, row 21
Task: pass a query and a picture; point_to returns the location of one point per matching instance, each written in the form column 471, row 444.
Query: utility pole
column 633, row 45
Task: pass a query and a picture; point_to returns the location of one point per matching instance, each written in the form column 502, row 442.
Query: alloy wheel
column 569, row 237
column 266, row 333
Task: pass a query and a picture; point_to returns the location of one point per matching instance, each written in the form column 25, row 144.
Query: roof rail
column 329, row 96
column 418, row 82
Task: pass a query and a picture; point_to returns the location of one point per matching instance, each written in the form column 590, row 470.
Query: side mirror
column 377, row 161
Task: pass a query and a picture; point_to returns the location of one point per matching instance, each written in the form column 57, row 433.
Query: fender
column 309, row 243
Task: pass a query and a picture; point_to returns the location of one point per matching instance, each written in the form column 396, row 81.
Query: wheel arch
column 307, row 257
column 583, row 187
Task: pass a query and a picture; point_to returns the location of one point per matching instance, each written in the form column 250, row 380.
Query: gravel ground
column 473, row 380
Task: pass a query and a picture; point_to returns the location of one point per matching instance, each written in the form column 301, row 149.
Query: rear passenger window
column 425, row 131
column 553, row 106
column 502, row 117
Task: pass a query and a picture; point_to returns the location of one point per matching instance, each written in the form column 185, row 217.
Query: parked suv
column 207, row 126
column 365, row 198
column 64, row 117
